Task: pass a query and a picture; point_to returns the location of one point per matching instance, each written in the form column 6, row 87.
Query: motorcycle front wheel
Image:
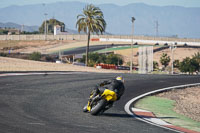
column 85, row 108
column 98, row 107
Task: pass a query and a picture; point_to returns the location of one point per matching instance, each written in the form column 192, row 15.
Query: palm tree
column 91, row 21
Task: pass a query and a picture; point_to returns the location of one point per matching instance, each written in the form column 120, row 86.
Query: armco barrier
column 107, row 66
column 95, row 39
column 112, row 66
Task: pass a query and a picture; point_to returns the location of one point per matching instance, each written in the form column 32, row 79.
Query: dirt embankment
column 43, row 47
column 32, row 46
column 12, row 64
column 187, row 101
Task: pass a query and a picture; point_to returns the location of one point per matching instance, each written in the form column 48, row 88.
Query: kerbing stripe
column 155, row 121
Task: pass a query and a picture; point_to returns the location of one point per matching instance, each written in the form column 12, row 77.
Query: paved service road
column 81, row 50
column 53, row 103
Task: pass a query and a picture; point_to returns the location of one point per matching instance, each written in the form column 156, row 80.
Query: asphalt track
column 81, row 50
column 53, row 103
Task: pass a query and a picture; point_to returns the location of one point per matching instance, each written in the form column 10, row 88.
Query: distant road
column 177, row 41
column 82, row 50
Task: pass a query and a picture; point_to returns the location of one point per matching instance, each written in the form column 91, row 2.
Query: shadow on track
column 116, row 115
column 142, row 116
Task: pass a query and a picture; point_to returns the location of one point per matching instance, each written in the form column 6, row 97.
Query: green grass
column 158, row 72
column 104, row 50
column 163, row 108
column 122, row 48
column 112, row 49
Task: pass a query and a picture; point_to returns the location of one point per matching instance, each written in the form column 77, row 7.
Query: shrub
column 49, row 58
column 129, row 64
column 155, row 65
column 114, row 59
column 189, row 65
column 95, row 58
column 35, row 56
column 176, row 64
column 164, row 60
column 3, row 54
column 91, row 63
column 196, row 57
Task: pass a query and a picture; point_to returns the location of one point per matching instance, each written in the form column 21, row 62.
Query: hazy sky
column 185, row 3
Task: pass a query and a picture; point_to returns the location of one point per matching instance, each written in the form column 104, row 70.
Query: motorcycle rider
column 116, row 85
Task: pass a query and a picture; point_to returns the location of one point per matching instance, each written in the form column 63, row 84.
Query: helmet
column 120, row 78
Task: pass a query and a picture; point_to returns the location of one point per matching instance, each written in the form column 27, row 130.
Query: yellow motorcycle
column 101, row 102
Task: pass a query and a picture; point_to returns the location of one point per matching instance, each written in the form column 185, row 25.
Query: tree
column 164, row 60
column 176, row 64
column 155, row 65
column 91, row 21
column 3, row 32
column 194, row 65
column 185, row 65
column 196, row 57
column 189, row 65
column 35, row 56
column 94, row 58
column 114, row 59
column 27, row 32
column 50, row 25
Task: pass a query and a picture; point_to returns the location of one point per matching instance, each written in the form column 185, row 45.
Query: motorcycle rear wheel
column 96, row 109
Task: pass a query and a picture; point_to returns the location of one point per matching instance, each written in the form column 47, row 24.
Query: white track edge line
column 127, row 106
column 39, row 73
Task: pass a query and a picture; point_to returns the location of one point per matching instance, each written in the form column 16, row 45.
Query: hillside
column 172, row 20
column 17, row 26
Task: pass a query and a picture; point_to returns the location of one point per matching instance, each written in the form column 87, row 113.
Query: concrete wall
column 84, row 37
column 43, row 37
column 141, row 41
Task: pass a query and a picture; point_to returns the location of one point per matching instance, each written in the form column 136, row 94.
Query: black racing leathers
column 115, row 85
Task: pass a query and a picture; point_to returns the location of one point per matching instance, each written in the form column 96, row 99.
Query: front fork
column 91, row 100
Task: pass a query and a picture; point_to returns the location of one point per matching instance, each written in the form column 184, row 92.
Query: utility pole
column 22, row 28
column 173, row 47
column 157, row 25
column 45, row 23
column 45, row 26
column 131, row 65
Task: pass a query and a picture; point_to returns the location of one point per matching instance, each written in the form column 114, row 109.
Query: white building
column 58, row 30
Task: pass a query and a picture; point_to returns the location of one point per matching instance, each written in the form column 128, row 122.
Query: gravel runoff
column 12, row 64
column 187, row 101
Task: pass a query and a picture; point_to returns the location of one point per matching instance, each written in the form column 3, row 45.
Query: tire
column 85, row 108
column 99, row 107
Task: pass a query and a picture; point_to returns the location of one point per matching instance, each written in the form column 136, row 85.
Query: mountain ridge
column 19, row 27
column 172, row 20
